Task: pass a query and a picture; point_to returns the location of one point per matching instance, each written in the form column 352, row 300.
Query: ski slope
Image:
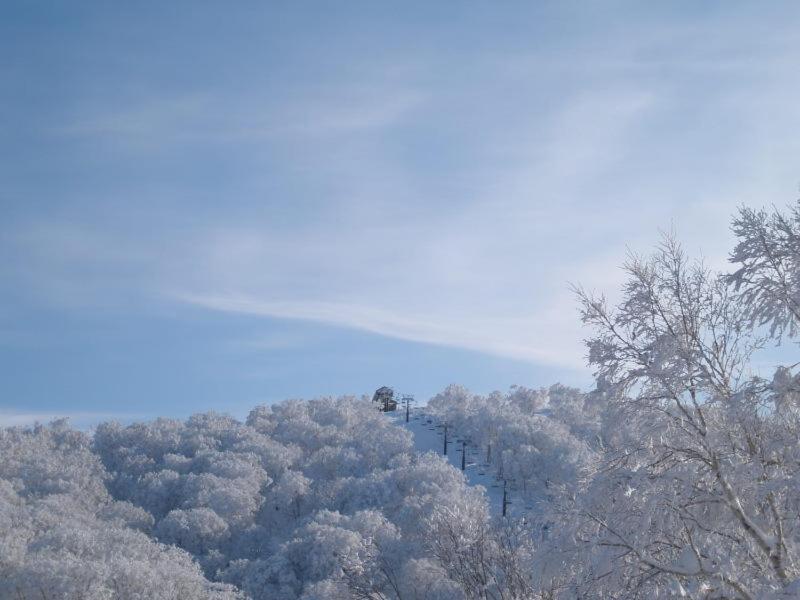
column 429, row 436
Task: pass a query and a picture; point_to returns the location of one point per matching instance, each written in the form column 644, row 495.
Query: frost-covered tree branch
column 692, row 486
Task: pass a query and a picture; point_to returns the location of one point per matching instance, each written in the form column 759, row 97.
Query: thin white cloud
column 454, row 210
column 510, row 337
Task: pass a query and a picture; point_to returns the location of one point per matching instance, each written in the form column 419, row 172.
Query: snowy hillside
column 312, row 499
column 428, row 434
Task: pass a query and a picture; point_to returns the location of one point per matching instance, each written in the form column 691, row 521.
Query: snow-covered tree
column 543, row 438
column 697, row 494
column 62, row 535
column 768, row 277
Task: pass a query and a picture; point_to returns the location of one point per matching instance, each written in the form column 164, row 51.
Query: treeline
column 539, row 440
column 317, row 499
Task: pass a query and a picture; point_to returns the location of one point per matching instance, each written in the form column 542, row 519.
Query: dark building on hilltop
column 384, row 396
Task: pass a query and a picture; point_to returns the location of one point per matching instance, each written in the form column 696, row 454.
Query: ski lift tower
column 408, row 399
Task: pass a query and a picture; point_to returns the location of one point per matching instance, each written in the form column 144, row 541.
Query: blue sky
column 209, row 206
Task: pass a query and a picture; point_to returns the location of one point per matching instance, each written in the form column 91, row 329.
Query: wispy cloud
column 510, row 337
column 440, row 203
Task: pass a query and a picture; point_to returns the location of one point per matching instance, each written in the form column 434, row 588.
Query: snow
column 429, row 437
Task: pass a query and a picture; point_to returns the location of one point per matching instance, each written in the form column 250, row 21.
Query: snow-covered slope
column 429, row 436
